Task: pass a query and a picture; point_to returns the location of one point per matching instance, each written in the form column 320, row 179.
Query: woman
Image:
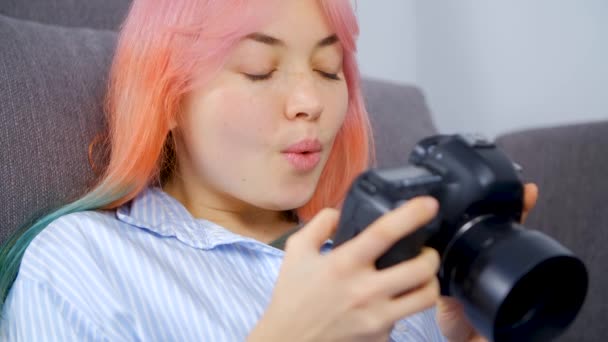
column 230, row 122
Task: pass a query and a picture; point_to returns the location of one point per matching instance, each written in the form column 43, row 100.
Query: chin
column 293, row 194
column 291, row 200
column 293, row 203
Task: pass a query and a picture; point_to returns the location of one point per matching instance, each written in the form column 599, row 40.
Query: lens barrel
column 515, row 284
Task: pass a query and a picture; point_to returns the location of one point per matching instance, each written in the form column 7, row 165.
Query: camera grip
column 407, row 248
column 358, row 214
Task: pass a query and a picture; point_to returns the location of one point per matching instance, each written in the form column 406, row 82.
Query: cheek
column 336, row 103
column 233, row 119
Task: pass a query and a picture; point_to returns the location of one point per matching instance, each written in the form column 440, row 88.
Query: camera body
column 468, row 175
column 509, row 279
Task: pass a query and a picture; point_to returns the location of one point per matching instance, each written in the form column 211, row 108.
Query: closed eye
column 262, row 77
column 328, row 75
column 259, row 77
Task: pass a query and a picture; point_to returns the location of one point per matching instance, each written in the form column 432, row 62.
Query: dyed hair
column 165, row 49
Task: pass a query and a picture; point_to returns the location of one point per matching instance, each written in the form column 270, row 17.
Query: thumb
column 312, row 236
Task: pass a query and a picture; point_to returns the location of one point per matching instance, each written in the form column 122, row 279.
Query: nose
column 303, row 99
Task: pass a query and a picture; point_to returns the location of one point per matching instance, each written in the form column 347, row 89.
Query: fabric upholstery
column 51, row 92
column 400, row 118
column 106, row 14
column 570, row 165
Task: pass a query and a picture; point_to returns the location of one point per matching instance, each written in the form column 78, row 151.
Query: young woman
column 230, row 122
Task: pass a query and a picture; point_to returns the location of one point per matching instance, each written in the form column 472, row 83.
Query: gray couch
column 53, row 66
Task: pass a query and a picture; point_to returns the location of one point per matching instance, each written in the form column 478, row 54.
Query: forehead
column 293, row 20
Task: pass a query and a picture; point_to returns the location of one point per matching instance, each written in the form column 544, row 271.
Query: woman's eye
column 267, row 76
column 259, row 77
column 328, row 75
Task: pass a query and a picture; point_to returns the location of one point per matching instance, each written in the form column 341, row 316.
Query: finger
column 311, row 237
column 448, row 309
column 414, row 301
column 452, row 321
column 372, row 242
column 409, row 274
column 530, row 198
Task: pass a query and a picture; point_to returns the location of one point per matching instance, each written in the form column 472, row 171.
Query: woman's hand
column 341, row 296
column 450, row 314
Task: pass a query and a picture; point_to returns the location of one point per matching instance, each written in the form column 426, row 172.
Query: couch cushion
column 400, row 118
column 99, row 14
column 570, row 165
column 50, row 109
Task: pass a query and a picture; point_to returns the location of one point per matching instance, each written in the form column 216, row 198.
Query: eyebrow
column 272, row 41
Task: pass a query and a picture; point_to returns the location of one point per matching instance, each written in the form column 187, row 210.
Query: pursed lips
column 304, row 155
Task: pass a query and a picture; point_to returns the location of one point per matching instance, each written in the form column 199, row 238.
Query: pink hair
column 164, row 46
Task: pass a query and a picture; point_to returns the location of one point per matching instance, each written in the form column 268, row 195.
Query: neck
column 228, row 212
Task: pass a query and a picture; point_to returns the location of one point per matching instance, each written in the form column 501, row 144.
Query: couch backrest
column 95, row 14
column 53, row 82
column 570, row 165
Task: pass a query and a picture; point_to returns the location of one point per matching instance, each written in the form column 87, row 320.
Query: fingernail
column 431, row 202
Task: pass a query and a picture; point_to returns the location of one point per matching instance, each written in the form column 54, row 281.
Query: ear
column 172, row 124
column 174, row 119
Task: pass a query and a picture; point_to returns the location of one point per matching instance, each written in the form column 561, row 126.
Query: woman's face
column 260, row 133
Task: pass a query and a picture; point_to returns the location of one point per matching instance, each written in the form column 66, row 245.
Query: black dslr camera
column 515, row 284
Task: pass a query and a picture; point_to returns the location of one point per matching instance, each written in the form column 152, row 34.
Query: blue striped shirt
column 149, row 271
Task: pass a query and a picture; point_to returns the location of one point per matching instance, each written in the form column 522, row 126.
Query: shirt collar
column 158, row 212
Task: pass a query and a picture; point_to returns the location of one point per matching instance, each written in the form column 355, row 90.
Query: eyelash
column 255, row 78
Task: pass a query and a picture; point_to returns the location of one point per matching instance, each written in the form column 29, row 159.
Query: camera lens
column 515, row 284
column 543, row 302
